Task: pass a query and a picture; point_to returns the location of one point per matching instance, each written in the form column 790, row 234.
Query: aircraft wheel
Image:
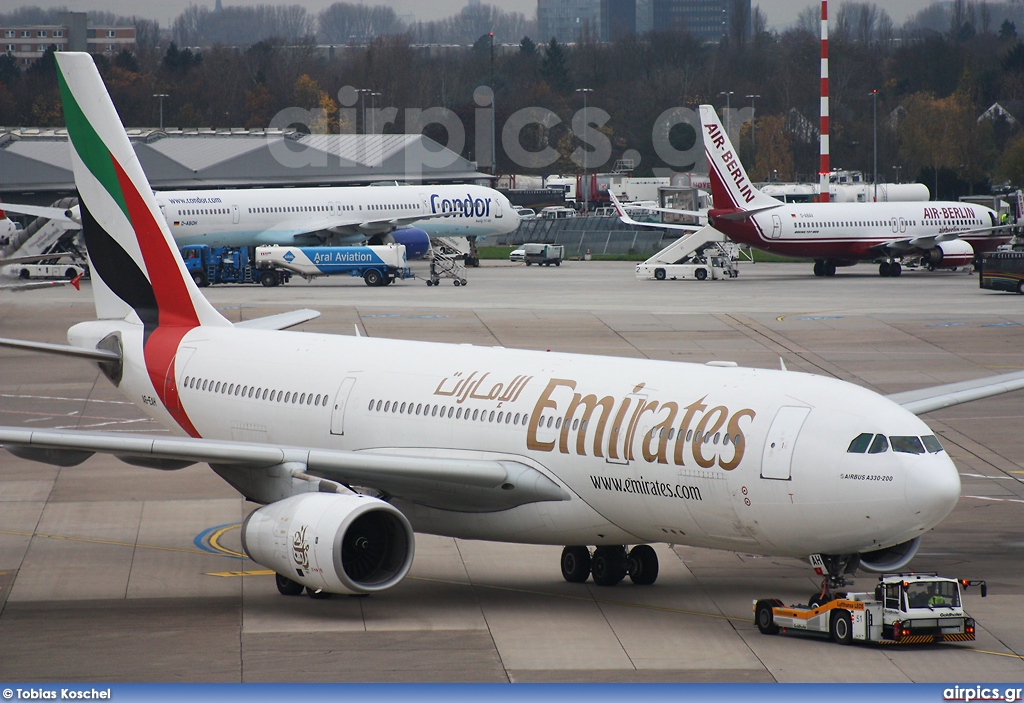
column 819, row 268
column 575, row 564
column 268, row 279
column 895, row 269
column 372, row 277
column 659, row 274
column 765, row 618
column 642, row 565
column 829, row 268
column 884, row 269
column 840, row 627
column 700, row 274
column 317, row 594
column 608, row 566
column 287, row 587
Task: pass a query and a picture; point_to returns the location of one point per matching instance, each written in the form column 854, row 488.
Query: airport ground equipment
column 44, row 271
column 904, row 609
column 446, row 262
column 377, row 265
column 543, row 254
column 701, row 254
column 213, row 265
column 1002, row 270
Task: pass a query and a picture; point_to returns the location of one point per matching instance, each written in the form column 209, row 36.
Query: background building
column 28, row 43
column 608, row 20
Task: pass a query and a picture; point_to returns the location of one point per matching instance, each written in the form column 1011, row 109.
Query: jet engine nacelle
column 890, row 559
column 416, row 241
column 951, row 254
column 333, row 542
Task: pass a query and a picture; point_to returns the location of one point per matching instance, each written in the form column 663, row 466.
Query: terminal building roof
column 35, row 164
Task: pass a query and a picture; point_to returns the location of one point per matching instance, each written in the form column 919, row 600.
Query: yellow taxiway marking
column 998, row 654
column 215, row 541
column 228, row 574
column 110, row 542
column 1015, row 471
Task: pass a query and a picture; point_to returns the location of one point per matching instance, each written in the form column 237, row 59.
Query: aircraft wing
column 624, row 216
column 480, row 485
column 69, row 216
column 897, row 246
column 925, row 400
column 350, row 225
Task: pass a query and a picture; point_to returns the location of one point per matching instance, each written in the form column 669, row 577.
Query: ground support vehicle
column 378, row 265
column 213, row 265
column 52, row 271
column 1002, row 270
column 543, row 254
column 446, row 263
column 904, row 609
column 713, row 266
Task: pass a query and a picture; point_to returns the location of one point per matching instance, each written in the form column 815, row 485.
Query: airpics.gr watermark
column 594, row 152
column 982, row 693
column 56, row 694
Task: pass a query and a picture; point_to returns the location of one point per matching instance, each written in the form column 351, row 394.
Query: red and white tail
column 731, row 189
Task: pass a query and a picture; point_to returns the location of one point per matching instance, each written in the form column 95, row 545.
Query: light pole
column 874, row 126
column 897, row 170
column 753, row 145
column 362, row 102
column 586, row 121
column 728, row 112
column 161, row 96
column 373, row 112
column 494, row 153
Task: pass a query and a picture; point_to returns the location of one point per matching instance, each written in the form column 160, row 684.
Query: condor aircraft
column 350, row 451
column 944, row 234
column 407, row 215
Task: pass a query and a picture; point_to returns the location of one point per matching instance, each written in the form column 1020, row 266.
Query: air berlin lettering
column 731, row 164
column 712, row 435
column 948, row 213
column 467, row 207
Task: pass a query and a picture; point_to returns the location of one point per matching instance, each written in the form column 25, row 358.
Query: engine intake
column 890, row 559
column 336, row 543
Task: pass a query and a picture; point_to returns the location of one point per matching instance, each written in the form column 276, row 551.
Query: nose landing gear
column 834, row 568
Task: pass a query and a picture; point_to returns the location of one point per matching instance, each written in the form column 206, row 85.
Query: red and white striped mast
column 823, row 167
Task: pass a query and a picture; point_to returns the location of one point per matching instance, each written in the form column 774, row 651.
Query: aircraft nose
column 933, row 488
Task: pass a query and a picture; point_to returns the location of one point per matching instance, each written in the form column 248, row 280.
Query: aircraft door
column 497, row 207
column 623, row 430
column 778, row 445
column 903, row 225
column 234, row 214
column 340, row 405
column 776, row 227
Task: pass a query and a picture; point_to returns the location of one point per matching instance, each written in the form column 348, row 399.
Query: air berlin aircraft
column 349, row 452
column 943, row 234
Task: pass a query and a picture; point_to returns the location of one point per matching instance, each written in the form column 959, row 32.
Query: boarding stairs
column 446, row 260
column 682, row 249
column 43, row 236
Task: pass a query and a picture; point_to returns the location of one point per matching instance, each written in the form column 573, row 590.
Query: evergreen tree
column 555, row 66
column 527, row 47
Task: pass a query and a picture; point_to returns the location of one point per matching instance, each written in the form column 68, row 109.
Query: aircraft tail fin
column 731, row 188
column 137, row 272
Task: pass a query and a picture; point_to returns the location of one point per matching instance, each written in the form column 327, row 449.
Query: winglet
column 77, row 282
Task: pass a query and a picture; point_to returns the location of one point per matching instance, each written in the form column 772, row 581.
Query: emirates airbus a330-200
column 349, row 452
column 941, row 234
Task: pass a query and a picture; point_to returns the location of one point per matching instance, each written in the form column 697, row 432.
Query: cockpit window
column 907, row 445
column 860, row 443
column 931, row 443
column 881, row 444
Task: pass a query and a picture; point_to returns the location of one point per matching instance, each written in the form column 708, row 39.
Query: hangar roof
column 38, row 162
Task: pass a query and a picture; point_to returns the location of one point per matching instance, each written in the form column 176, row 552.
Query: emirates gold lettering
column 609, row 428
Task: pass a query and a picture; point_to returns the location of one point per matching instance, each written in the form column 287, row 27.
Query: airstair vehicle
column 701, row 255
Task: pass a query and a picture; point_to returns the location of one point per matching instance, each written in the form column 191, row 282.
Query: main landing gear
column 287, row 587
column 610, row 565
column 890, row 269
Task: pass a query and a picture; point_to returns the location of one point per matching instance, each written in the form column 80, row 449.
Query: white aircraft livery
column 939, row 234
column 350, row 451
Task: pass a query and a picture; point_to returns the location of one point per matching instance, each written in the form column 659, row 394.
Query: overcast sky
column 780, row 12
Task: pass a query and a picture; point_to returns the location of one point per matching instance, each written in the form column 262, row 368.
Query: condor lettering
column 461, row 207
column 611, row 427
